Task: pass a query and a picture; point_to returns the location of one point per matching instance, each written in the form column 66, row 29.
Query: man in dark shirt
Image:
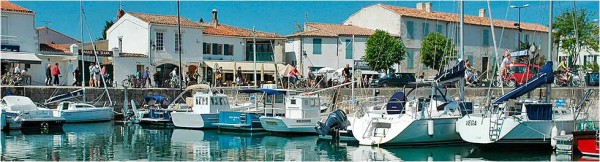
column 346, row 73
column 76, row 75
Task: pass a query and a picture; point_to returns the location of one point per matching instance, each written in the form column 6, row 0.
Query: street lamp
column 519, row 24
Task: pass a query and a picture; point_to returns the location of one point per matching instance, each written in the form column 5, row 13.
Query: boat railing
column 274, row 112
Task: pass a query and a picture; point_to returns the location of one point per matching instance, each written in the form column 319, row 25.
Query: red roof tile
column 473, row 20
column 11, row 7
column 332, row 30
column 163, row 19
column 60, row 48
column 228, row 30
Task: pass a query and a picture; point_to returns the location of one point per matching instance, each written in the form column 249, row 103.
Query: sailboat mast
column 548, row 86
column 462, row 47
column 82, row 54
column 179, row 46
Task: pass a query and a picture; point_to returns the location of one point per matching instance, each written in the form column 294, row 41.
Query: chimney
column 419, row 6
column 482, row 12
column 201, row 20
column 215, row 20
column 427, row 6
column 120, row 13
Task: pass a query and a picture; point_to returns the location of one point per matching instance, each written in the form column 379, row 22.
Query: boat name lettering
column 302, row 121
column 471, row 123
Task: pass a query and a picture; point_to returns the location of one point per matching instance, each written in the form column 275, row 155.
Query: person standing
column 346, row 73
column 17, row 69
column 91, row 71
column 55, row 74
column 219, row 77
column 146, row 76
column 48, row 75
column 197, row 77
column 238, row 76
column 156, row 79
column 97, row 76
column 76, row 74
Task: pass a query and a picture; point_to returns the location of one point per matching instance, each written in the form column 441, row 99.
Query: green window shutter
column 317, row 46
column 410, row 61
column 214, row 48
column 486, row 39
column 348, row 49
column 409, row 29
column 425, row 29
column 585, row 61
column 226, row 49
column 438, row 28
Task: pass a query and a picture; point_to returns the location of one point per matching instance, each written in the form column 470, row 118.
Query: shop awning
column 19, row 57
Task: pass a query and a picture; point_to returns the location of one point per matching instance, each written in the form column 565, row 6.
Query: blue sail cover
column 396, row 103
column 263, row 90
column 545, row 76
column 157, row 98
column 453, row 74
column 65, row 96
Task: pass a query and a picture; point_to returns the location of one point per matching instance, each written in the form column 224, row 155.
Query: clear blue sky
column 278, row 17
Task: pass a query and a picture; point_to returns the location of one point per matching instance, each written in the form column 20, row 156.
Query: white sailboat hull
column 373, row 129
column 194, row 120
column 280, row 124
column 476, row 129
column 87, row 114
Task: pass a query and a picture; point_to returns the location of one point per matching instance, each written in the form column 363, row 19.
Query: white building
column 326, row 45
column 18, row 37
column 231, row 47
column 149, row 40
column 412, row 24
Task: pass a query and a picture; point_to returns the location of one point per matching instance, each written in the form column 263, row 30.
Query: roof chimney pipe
column 215, row 19
column 482, row 12
column 427, row 6
column 419, row 6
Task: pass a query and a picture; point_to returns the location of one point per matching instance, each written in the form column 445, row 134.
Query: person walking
column 96, row 73
column 238, row 76
column 76, row 74
column 197, row 76
column 156, row 79
column 219, row 77
column 48, row 75
column 55, row 74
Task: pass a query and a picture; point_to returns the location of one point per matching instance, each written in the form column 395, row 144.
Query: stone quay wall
column 40, row 93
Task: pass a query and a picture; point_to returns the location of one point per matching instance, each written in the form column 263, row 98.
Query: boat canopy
column 66, row 96
column 453, row 74
column 18, row 103
column 545, row 76
column 396, row 103
column 263, row 90
column 152, row 99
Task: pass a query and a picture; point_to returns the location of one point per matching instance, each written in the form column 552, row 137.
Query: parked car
column 394, row 79
column 519, row 74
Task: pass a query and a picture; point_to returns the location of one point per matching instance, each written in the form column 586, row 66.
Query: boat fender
column 553, row 134
column 430, row 127
column 562, row 133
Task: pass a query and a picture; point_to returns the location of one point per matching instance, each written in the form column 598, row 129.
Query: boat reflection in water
column 421, row 153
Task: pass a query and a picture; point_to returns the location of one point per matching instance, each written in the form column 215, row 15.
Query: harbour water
column 116, row 141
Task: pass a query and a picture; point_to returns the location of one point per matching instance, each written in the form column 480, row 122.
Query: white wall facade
column 333, row 52
column 239, row 48
column 20, row 30
column 47, row 36
column 139, row 37
column 474, row 47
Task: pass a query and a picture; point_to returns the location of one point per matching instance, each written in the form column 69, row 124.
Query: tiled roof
column 11, row 7
column 133, row 55
column 228, row 30
column 473, row 20
column 163, row 19
column 51, row 47
column 332, row 30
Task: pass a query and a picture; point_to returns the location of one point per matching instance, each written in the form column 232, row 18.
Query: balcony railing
column 260, row 56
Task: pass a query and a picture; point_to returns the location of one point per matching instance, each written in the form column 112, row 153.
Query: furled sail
column 455, row 73
column 66, row 96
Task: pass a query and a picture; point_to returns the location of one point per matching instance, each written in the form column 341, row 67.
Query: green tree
column 564, row 26
column 436, row 51
column 383, row 51
column 107, row 25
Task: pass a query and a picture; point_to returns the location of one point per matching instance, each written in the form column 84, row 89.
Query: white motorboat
column 416, row 121
column 302, row 112
column 22, row 113
column 524, row 122
column 82, row 112
column 204, row 112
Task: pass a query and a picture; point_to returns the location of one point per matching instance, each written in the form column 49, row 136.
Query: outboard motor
column 336, row 120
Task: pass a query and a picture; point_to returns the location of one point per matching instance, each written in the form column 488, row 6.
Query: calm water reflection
column 110, row 141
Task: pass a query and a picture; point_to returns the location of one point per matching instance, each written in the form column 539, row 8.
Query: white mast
column 548, row 86
column 462, row 47
column 82, row 54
